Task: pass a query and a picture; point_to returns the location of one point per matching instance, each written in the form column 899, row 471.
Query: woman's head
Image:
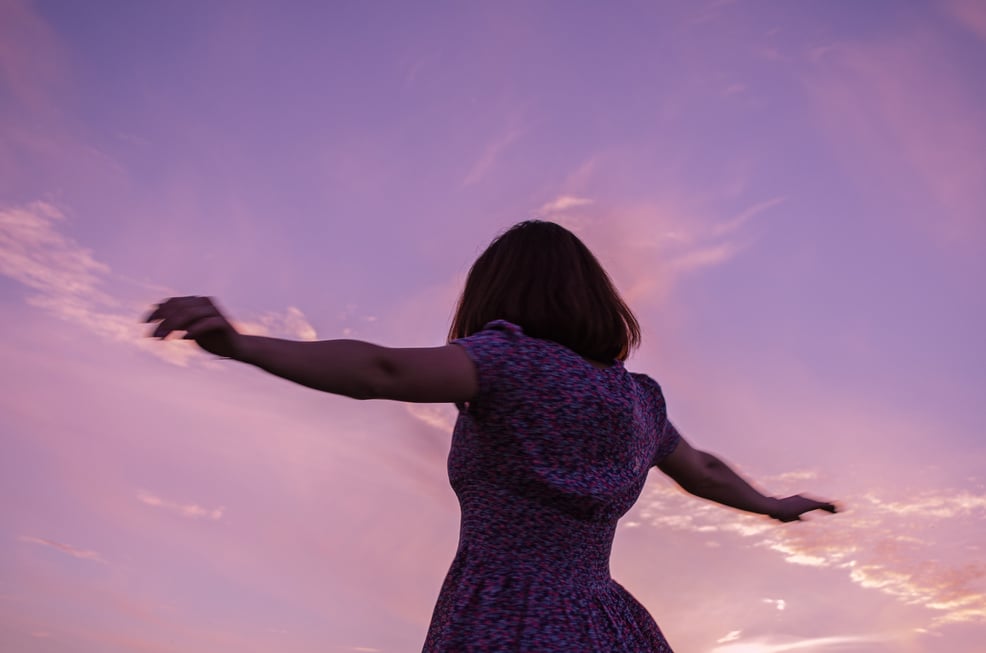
column 541, row 277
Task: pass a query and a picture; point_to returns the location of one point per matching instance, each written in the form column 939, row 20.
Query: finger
column 827, row 506
column 180, row 319
column 203, row 326
column 161, row 310
column 158, row 312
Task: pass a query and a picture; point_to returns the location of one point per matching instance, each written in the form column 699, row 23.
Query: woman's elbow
column 380, row 380
column 704, row 475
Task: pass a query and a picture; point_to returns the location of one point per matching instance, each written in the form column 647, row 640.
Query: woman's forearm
column 344, row 367
column 721, row 484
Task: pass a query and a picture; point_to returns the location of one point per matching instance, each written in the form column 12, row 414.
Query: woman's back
column 546, row 459
column 549, row 450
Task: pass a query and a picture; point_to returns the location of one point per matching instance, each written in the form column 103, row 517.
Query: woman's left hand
column 201, row 321
column 791, row 508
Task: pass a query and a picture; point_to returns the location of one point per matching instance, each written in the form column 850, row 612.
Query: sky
column 791, row 196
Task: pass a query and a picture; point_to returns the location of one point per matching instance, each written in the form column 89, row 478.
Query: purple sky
column 790, row 195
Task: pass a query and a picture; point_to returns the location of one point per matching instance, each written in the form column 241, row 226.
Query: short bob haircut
column 541, row 277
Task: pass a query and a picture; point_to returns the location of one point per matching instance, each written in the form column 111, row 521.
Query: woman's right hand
column 791, row 508
column 201, row 321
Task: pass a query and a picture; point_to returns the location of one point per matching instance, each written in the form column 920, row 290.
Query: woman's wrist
column 243, row 348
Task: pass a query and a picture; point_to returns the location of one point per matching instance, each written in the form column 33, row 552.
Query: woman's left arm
column 352, row 368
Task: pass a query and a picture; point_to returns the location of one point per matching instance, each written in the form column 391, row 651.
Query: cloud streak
column 439, row 416
column 562, row 203
column 657, row 245
column 898, row 108
column 33, row 252
column 68, row 281
column 490, row 154
column 971, row 14
column 806, row 645
column 68, row 549
column 873, row 544
column 190, row 510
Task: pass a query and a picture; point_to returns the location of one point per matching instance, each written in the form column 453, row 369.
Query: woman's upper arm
column 686, row 465
column 426, row 375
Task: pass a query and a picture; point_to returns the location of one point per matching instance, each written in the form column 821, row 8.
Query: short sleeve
column 667, row 441
column 494, row 353
column 667, row 435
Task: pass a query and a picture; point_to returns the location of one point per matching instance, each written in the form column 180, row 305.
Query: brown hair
column 541, row 277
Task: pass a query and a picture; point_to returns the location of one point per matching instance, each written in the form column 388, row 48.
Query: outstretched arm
column 704, row 475
column 352, row 368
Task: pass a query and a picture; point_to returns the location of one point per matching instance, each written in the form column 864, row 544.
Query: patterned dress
column 545, row 460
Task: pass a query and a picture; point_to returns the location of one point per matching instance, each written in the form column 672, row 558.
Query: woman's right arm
column 702, row 474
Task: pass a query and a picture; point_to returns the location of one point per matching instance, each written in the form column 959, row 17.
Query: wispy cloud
column 490, row 154
column 649, row 248
column 68, row 549
column 805, row 645
column 796, row 475
column 28, row 61
column 879, row 544
column 33, row 252
column 189, row 510
column 68, row 278
column 68, row 281
column 901, row 114
column 780, row 604
column 562, row 203
column 291, row 323
column 732, row 224
column 704, row 257
column 971, row 14
column 936, row 505
column 439, row 416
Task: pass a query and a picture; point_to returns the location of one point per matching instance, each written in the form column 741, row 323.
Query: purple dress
column 545, row 460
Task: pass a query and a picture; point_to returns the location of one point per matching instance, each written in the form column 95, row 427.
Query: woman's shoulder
column 649, row 385
column 515, row 349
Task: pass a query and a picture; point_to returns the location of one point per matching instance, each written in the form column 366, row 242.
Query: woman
column 552, row 445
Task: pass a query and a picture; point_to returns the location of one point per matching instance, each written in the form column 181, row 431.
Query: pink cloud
column 491, row 152
column 75, row 552
column 35, row 253
column 971, row 14
column 290, row 323
column 806, row 645
column 561, row 203
column 29, row 55
column 439, row 416
column 70, row 282
column 876, row 548
column 651, row 248
column 191, row 510
column 902, row 116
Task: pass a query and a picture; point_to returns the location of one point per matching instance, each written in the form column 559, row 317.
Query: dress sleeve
column 667, row 441
column 494, row 353
column 667, row 435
